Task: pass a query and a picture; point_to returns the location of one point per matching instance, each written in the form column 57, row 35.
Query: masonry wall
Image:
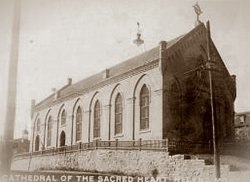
column 179, row 67
column 186, row 98
column 129, row 88
column 139, row 163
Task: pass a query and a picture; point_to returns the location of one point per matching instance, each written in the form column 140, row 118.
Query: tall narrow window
column 144, row 108
column 49, row 131
column 38, row 123
column 97, row 119
column 118, row 114
column 78, row 124
column 37, row 141
column 63, row 118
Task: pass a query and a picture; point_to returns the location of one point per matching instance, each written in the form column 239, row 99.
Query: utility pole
column 11, row 92
column 215, row 142
column 209, row 66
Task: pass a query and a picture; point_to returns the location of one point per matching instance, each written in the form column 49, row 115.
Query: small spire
column 198, row 12
column 138, row 41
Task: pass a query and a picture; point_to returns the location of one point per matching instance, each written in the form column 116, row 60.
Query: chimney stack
column 69, row 81
column 163, row 45
column 55, row 92
column 162, row 55
column 106, row 73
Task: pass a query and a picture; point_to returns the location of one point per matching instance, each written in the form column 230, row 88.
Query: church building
column 163, row 93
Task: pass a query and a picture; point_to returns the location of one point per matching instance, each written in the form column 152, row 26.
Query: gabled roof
column 130, row 64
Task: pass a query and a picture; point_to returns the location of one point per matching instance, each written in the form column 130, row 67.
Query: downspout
column 162, row 63
column 89, row 126
column 32, row 145
column 57, row 126
column 109, row 120
column 133, row 114
column 72, row 129
column 45, row 127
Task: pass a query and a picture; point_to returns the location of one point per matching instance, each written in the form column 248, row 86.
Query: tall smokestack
column 11, row 97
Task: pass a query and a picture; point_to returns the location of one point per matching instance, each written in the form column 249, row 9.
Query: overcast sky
column 77, row 38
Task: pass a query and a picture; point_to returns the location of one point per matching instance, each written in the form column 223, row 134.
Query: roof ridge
column 122, row 67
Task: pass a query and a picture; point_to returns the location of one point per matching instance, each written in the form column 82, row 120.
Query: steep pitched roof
column 130, row 64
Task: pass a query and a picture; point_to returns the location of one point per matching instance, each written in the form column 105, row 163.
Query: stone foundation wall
column 142, row 163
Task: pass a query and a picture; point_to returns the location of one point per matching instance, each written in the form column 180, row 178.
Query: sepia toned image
column 124, row 91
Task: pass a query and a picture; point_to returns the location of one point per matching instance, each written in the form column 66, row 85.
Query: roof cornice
column 77, row 93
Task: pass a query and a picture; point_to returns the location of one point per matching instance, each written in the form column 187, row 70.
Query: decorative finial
column 198, row 12
column 138, row 41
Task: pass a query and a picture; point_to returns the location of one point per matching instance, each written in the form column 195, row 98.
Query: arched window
column 62, row 139
column 38, row 123
column 49, row 131
column 63, row 118
column 118, row 114
column 144, row 108
column 37, row 141
column 97, row 119
column 78, row 123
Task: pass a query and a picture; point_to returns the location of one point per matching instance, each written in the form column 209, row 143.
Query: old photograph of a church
column 167, row 111
column 144, row 103
column 161, row 93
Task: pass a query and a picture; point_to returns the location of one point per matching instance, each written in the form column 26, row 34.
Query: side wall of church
column 129, row 90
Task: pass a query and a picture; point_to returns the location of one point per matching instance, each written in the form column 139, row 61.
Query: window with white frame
column 144, row 108
column 78, row 123
column 49, row 131
column 38, row 124
column 118, row 114
column 97, row 119
column 63, row 117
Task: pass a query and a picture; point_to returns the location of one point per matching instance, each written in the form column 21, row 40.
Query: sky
column 77, row 38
